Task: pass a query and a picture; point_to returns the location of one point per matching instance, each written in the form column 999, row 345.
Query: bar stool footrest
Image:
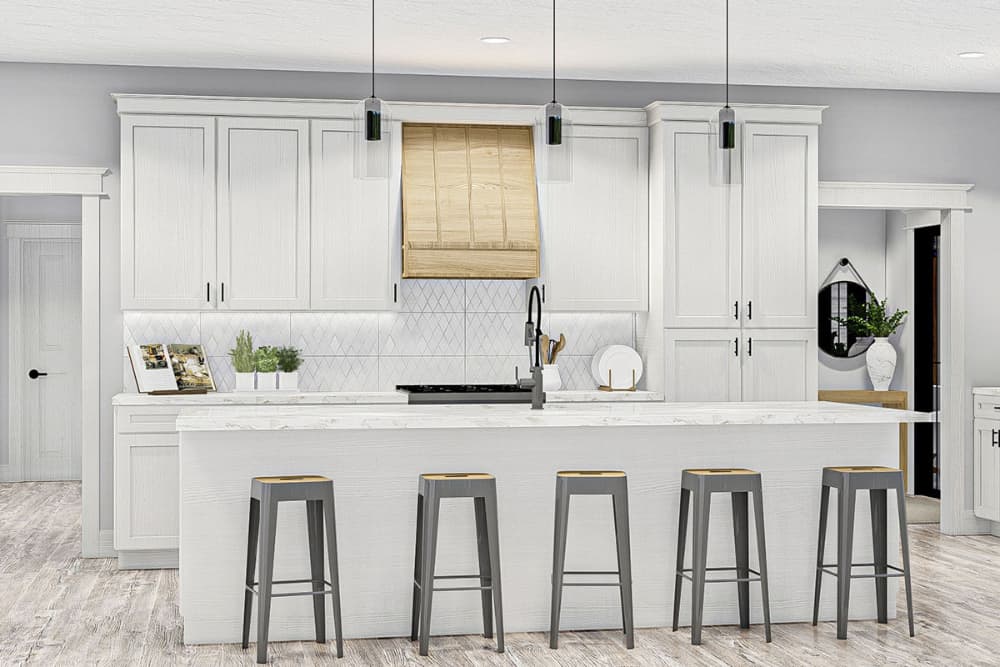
column 327, row 588
column 896, row 571
column 686, row 573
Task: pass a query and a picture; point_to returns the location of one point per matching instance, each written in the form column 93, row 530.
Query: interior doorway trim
column 88, row 184
column 945, row 204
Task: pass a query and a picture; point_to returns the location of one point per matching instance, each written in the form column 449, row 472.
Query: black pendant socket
column 373, row 125
column 727, row 135
column 553, row 135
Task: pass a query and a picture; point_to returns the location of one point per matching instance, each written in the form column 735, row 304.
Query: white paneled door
column 702, row 365
column 263, row 209
column 47, row 370
column 779, row 364
column 986, row 469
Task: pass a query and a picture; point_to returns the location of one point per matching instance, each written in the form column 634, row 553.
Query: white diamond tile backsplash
column 447, row 331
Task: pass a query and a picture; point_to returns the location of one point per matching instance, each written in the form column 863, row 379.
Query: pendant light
column 725, row 159
column 557, row 155
column 371, row 142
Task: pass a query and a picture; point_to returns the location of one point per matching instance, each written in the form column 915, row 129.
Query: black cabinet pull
column 749, row 347
column 996, row 437
column 736, row 346
column 208, row 292
column 749, row 310
column 736, row 310
column 223, row 292
column 395, row 292
column 35, row 374
column 543, row 293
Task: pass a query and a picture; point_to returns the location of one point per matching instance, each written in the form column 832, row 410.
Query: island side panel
column 375, row 473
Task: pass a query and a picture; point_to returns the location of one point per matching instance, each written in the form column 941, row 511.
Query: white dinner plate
column 620, row 360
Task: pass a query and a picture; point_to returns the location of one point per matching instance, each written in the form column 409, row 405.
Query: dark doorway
column 926, row 360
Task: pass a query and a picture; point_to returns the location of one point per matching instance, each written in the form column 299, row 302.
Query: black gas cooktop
column 465, row 393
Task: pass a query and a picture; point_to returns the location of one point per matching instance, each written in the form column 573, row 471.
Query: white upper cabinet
column 263, row 204
column 168, row 212
column 351, row 226
column 780, row 225
column 595, row 229
column 702, row 232
column 779, row 365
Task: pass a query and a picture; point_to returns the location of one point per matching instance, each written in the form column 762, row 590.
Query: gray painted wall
column 62, row 114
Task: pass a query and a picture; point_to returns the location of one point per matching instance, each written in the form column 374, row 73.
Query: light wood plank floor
column 59, row 609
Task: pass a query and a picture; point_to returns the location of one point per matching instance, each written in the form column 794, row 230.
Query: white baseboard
column 970, row 524
column 159, row 559
column 106, row 545
column 5, row 473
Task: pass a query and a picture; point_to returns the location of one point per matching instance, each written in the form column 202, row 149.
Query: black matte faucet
column 533, row 336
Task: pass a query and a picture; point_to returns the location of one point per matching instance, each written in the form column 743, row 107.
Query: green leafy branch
column 871, row 318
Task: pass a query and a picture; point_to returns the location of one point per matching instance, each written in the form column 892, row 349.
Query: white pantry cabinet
column 986, row 469
column 352, row 249
column 594, row 230
column 168, row 212
column 734, row 365
column 263, row 203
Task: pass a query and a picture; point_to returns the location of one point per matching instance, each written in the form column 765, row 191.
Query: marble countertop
column 986, row 391
column 280, row 418
column 353, row 398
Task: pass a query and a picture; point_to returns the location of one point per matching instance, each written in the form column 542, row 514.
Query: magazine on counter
column 174, row 368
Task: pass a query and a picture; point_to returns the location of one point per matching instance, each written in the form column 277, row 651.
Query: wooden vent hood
column 470, row 203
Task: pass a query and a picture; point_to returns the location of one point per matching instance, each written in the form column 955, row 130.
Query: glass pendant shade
column 555, row 159
column 727, row 128
column 371, row 139
column 725, row 158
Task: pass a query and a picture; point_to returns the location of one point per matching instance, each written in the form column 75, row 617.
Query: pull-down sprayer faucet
column 533, row 336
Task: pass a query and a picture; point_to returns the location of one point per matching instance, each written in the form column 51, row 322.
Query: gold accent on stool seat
column 862, row 469
column 590, row 473
column 291, row 479
column 721, row 471
column 457, row 475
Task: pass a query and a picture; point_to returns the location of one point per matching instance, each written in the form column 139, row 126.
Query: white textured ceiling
column 908, row 44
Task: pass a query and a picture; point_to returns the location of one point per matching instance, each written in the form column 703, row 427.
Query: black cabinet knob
column 34, row 374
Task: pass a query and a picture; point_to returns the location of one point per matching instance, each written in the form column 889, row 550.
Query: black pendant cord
column 373, row 47
column 554, row 50
column 727, row 53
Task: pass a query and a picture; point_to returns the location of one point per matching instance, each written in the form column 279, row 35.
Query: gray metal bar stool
column 433, row 487
column 265, row 494
column 738, row 482
column 592, row 482
column 848, row 480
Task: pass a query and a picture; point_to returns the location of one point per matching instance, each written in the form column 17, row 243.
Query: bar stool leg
column 824, row 512
column 681, row 544
column 428, row 553
column 702, row 506
column 741, row 529
column 314, row 524
column 251, row 567
column 623, row 544
column 558, row 559
column 758, row 516
column 877, row 499
column 418, row 542
column 493, row 529
column 485, row 575
column 269, row 515
column 904, row 542
column 845, row 544
column 329, row 512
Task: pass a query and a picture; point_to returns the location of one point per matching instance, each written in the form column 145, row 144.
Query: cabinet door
column 701, row 286
column 263, row 213
column 986, row 470
column 780, row 195
column 351, row 248
column 780, row 365
column 147, row 491
column 702, row 365
column 168, row 212
column 594, row 230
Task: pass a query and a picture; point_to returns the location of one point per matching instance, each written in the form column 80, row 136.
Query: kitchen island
column 374, row 454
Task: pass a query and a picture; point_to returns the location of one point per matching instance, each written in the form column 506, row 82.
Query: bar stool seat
column 702, row 483
column 265, row 494
column 848, row 480
column 432, row 488
column 613, row 483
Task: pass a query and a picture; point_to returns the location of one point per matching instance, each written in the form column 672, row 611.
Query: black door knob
column 35, row 374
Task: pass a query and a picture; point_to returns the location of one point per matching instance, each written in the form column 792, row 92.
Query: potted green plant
column 289, row 361
column 267, row 368
column 872, row 318
column 244, row 361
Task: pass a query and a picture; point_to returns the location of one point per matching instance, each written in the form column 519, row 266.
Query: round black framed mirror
column 835, row 338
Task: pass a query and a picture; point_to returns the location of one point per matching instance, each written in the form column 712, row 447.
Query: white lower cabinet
column 986, row 469
column 735, row 365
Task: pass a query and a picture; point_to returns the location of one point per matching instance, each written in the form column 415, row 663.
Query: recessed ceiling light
column 494, row 40
column 971, row 54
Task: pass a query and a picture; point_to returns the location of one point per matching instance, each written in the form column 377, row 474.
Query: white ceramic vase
column 551, row 379
column 288, row 381
column 881, row 362
column 267, row 381
column 245, row 381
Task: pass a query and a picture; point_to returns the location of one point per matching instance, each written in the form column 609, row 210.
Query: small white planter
column 288, row 381
column 551, row 379
column 881, row 362
column 245, row 381
column 267, row 381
